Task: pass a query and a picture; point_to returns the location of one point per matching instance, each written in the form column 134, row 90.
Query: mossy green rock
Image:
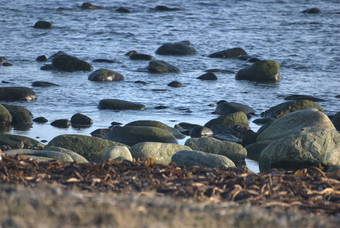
column 117, row 152
column 91, row 148
column 17, row 141
column 254, row 150
column 293, row 122
column 310, row 146
column 105, row 75
column 161, row 152
column 264, row 70
column 54, row 155
column 192, row 158
column 288, row 107
column 234, row 151
column 75, row 156
column 131, row 135
column 233, row 119
column 5, row 116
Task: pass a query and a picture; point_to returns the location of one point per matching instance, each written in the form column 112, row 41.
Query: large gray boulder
column 117, row 104
column 310, row 146
column 161, row 152
column 234, row 151
column 198, row 158
column 5, row 116
column 19, row 142
column 102, row 75
column 117, row 153
column 263, row 70
column 131, row 135
column 290, row 106
column 225, row 108
column 17, row 94
column 91, row 148
column 293, row 122
column 178, row 48
column 158, row 66
column 75, row 156
column 229, row 53
column 69, row 63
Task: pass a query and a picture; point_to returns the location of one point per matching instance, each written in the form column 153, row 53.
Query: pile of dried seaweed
column 306, row 189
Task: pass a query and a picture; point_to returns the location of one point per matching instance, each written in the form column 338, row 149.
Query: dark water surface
column 307, row 46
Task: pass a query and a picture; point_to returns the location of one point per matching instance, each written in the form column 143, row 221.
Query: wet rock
column 3, row 59
column 22, row 118
column 254, row 150
column 178, row 48
column 43, row 84
column 61, row 123
column 230, row 120
column 141, row 57
column 162, row 67
column 161, row 107
column 20, row 142
column 7, row 64
column 103, row 61
column 290, row 106
column 185, row 128
column 249, row 137
column 41, row 58
column 17, row 94
column 310, row 146
column 336, row 121
column 129, row 53
column 5, row 117
column 161, row 152
column 91, row 148
column 40, row 120
column 121, row 152
column 229, row 53
column 49, row 67
column 208, row 76
column 198, row 158
column 293, row 122
column 131, row 135
column 69, row 63
column 311, row 11
column 40, row 154
column 81, row 121
column 87, row 5
column 100, row 132
column 123, row 10
column 303, row 97
column 175, row 84
column 264, row 70
column 75, row 156
column 234, row 151
column 105, row 75
column 165, row 8
column 249, row 58
column 225, row 108
column 262, row 121
column 43, row 25
column 200, row 131
column 117, row 104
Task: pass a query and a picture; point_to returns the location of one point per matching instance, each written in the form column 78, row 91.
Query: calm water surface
column 307, row 47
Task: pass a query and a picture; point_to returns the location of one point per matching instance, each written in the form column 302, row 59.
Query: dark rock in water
column 200, row 131
column 214, row 70
column 117, row 104
column 17, row 94
column 311, row 11
column 115, row 123
column 41, row 58
column 263, row 71
column 140, row 82
column 22, row 118
column 175, row 84
column 131, row 135
column 100, row 132
column 123, row 10
column 3, row 59
column 61, row 123
column 229, row 53
column 161, row 107
column 103, row 61
column 290, row 106
column 225, row 108
column 43, row 25
column 249, row 138
column 162, row 67
column 87, row 5
column 141, row 57
column 48, row 67
column 129, row 53
column 337, row 96
column 20, row 142
column 165, row 8
column 161, row 90
column 336, row 121
column 69, row 63
column 263, row 120
column 304, row 97
column 43, row 84
column 229, row 121
column 7, row 64
column 178, row 48
column 185, row 128
column 5, row 117
column 249, row 58
column 105, row 75
column 40, row 120
column 208, row 76
column 81, row 120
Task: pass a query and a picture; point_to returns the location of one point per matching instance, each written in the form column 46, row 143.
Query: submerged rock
column 141, row 57
column 264, row 70
column 229, row 53
column 61, row 123
column 17, row 94
column 178, row 48
column 43, row 25
column 43, row 84
column 165, row 8
column 225, row 108
column 162, row 67
column 117, row 104
column 69, row 63
column 105, row 75
column 81, row 120
column 208, row 76
column 40, row 120
column 87, row 5
column 303, row 97
column 311, row 11
column 175, row 84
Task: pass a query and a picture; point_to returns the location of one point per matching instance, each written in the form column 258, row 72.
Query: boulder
column 290, row 106
column 161, row 152
column 131, row 135
column 178, row 48
column 225, row 108
column 336, row 121
column 165, row 8
column 175, row 84
column 5, row 116
column 200, row 131
column 312, row 11
column 141, row 57
column 102, row 75
column 293, row 122
column 17, row 94
column 254, row 150
column 121, row 152
column 75, row 156
column 80, row 120
column 69, row 63
column 189, row 158
column 122, row 10
column 43, row 84
column 40, row 119
column 234, row 151
column 303, row 97
column 91, row 148
column 41, row 58
column 87, row 5
column 229, row 53
column 61, row 123
column 101, row 132
column 264, row 70
column 208, row 76
column 22, row 118
column 230, row 120
column 309, row 146
column 19, row 142
column 117, row 104
column 41, row 154
column 43, row 25
column 157, row 66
